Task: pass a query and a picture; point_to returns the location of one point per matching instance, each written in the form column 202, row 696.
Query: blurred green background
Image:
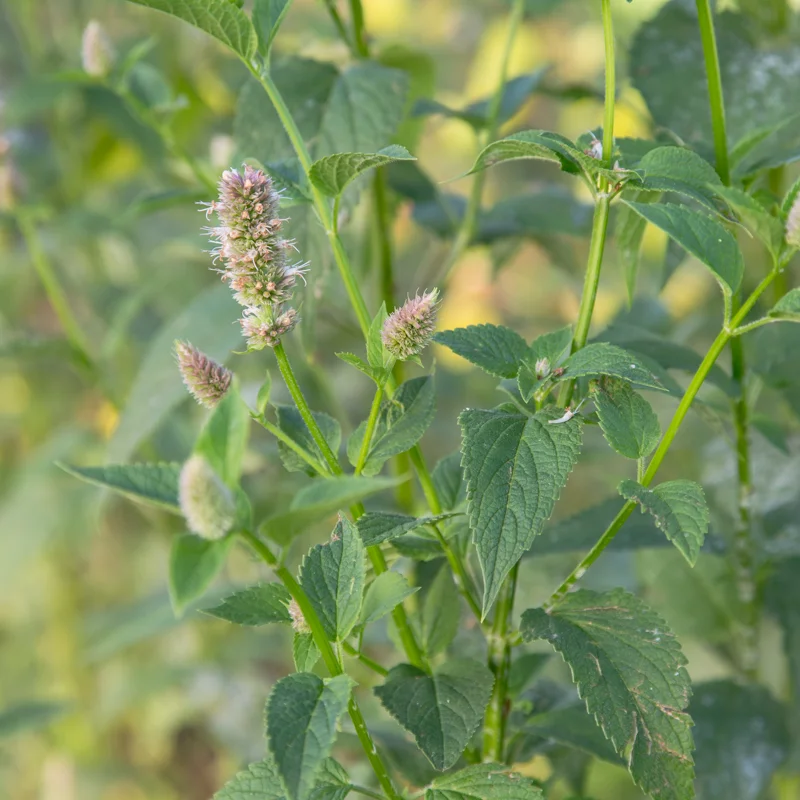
column 107, row 695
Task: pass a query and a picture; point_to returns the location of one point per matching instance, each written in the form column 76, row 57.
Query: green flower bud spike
column 206, row 380
column 206, row 502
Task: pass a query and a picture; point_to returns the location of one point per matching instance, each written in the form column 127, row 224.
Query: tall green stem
column 383, row 236
column 369, row 430
column 466, row 230
column 744, row 555
column 329, row 657
column 666, row 441
column 611, row 84
column 359, row 32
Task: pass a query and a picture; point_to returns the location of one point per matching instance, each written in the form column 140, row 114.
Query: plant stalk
column 369, row 431
column 329, row 657
column 383, row 236
column 664, row 445
column 611, row 84
column 359, row 32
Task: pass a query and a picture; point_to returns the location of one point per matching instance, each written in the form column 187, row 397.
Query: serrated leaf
column 630, row 671
column 755, row 217
column 741, row 737
column 484, row 782
column 378, row 374
column 220, row 18
column 193, row 565
column 332, row 174
column 551, row 346
column 676, row 169
column 703, row 237
column 291, row 423
column 376, row 527
column 321, row 499
column 258, row 781
column 376, row 352
column 440, row 615
column 678, row 508
column 402, row 421
column 302, row 714
column 267, row 18
column 628, row 421
column 256, row 605
column 333, row 576
column 494, row 348
column 787, row 308
column 448, row 480
column 305, row 652
column 515, row 467
column 388, row 590
column 442, row 710
column 223, row 439
column 600, row 358
column 154, row 484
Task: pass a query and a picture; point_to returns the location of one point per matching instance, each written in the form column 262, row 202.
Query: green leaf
column 207, row 322
column 600, row 358
column 630, row 671
column 193, row 565
column 678, row 508
column 552, row 346
column 377, row 374
column 440, row 615
column 448, row 480
column 787, row 308
column 629, row 230
column 376, row 352
column 319, row 500
column 302, row 714
column 741, row 737
column 258, row 781
column 628, row 421
column 291, row 423
column 515, row 468
column 442, row 710
column 30, row 715
column 267, row 18
column 388, row 590
column 332, row 174
column 223, row 440
column 768, row 229
column 333, row 576
column 220, row 18
column 676, row 169
column 703, row 237
column 255, row 605
column 484, row 782
column 363, row 111
column 264, row 392
column 376, row 527
column 402, row 421
column 154, row 484
column 494, row 348
column 305, row 652
column 541, row 145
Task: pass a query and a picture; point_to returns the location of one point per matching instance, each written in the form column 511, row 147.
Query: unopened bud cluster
column 97, row 56
column 299, row 623
column 408, row 329
column 206, row 502
column 254, row 255
column 793, row 224
column 206, row 380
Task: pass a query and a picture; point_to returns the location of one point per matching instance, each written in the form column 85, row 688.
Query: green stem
column 329, row 657
column 364, row 659
column 706, row 23
column 337, row 21
column 590, row 283
column 664, row 445
column 359, row 32
column 468, row 226
column 611, row 85
column 53, row 289
column 369, row 431
column 301, row 452
column 366, row 792
column 499, row 663
column 383, row 236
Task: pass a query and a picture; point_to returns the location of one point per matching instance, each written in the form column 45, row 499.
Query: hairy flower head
column 298, row 620
column 542, row 367
column 206, row 502
column 204, row 378
column 254, row 255
column 408, row 329
column 97, row 55
column 793, row 224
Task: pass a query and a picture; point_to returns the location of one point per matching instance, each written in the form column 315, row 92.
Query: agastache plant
column 439, row 570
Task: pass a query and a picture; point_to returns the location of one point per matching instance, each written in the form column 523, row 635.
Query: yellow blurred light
column 686, row 290
column 581, row 58
column 384, row 17
column 106, row 420
column 15, row 394
column 121, row 160
column 538, row 767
